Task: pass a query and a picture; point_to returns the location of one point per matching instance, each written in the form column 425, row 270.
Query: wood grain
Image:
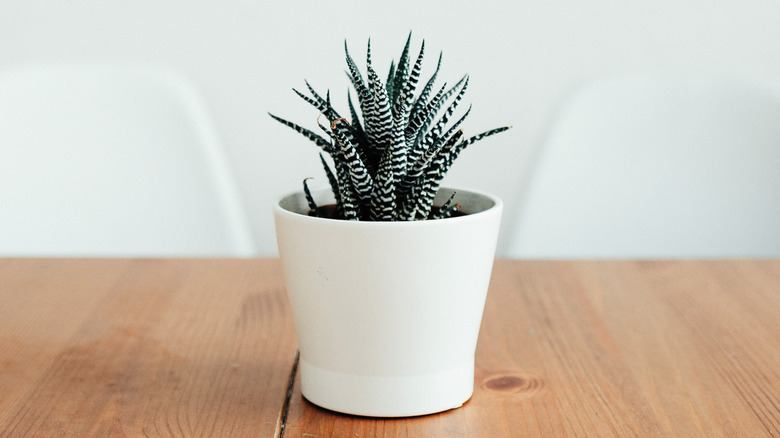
column 143, row 347
column 567, row 348
column 601, row 348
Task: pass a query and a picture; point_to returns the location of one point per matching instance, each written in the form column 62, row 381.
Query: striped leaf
column 360, row 134
column 354, row 72
column 445, row 142
column 334, row 186
column 407, row 206
column 399, row 161
column 447, row 209
column 381, row 122
column 479, row 137
column 368, row 52
column 430, row 185
column 319, row 141
column 365, row 96
column 434, row 133
column 403, row 105
column 455, row 88
column 361, row 179
column 318, row 102
column 439, row 168
column 390, row 159
column 401, row 111
column 389, row 82
column 383, row 201
column 416, row 123
column 399, row 80
column 462, row 145
column 414, row 181
column 354, row 134
column 455, row 126
column 321, row 107
column 350, row 205
column 421, row 101
column 432, row 115
column 313, row 209
column 413, row 130
column 329, row 112
column 422, row 164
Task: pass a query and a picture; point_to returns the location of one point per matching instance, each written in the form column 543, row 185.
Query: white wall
column 522, row 57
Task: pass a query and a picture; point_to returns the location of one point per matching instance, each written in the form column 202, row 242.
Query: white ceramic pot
column 388, row 313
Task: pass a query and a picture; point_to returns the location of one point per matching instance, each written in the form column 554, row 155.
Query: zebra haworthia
column 389, row 165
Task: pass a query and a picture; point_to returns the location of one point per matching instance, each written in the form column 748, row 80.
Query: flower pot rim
column 290, row 212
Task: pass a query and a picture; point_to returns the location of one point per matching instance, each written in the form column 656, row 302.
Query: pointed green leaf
column 434, row 133
column 447, row 209
column 444, row 98
column 413, row 130
column 421, row 100
column 383, row 201
column 334, row 185
column 319, row 141
column 348, row 202
column 403, row 105
column 389, row 82
column 380, row 124
column 402, row 71
column 313, row 209
column 357, row 129
column 360, row 177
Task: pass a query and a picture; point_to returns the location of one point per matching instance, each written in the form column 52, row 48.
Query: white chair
column 657, row 167
column 109, row 161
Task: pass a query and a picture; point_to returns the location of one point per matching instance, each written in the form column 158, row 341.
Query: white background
column 523, row 57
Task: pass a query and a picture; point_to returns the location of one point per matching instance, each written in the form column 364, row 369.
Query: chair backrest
column 112, row 161
column 657, row 167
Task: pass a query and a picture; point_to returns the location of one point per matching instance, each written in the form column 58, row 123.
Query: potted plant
column 386, row 271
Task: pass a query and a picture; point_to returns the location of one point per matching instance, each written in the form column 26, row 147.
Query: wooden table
column 207, row 348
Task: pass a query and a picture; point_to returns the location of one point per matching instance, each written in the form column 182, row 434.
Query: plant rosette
column 387, row 314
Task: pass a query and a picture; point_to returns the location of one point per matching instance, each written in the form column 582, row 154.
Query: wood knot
column 513, row 383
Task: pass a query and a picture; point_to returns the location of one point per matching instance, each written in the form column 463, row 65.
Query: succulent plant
column 389, row 165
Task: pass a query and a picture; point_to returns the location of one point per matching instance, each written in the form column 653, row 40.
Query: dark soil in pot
column 329, row 212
